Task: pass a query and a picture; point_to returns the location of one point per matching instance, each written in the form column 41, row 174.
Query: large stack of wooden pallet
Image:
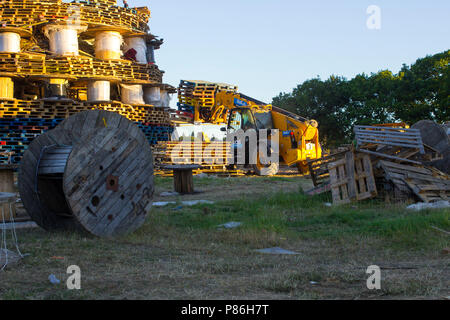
column 32, row 64
column 201, row 94
column 388, row 162
column 26, row 13
column 28, row 104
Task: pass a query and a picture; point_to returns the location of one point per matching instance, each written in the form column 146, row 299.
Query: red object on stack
column 130, row 54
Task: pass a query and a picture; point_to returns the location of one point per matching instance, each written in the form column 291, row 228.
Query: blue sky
column 269, row 46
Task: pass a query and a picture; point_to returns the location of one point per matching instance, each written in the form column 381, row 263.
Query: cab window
column 235, row 121
column 242, row 119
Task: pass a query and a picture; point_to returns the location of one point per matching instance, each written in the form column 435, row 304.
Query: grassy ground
column 180, row 253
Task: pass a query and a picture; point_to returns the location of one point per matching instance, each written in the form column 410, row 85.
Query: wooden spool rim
column 108, row 182
column 20, row 31
column 28, row 183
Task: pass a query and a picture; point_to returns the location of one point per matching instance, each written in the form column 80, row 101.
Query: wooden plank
column 396, row 143
column 404, row 133
column 361, row 175
column 382, row 155
column 344, row 188
column 335, row 191
column 350, row 173
column 371, row 184
column 406, row 168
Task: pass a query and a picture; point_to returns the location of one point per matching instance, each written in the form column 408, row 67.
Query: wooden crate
column 318, row 168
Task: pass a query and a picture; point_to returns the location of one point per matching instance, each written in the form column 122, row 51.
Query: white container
column 132, row 94
column 9, row 42
column 99, row 91
column 152, row 95
column 63, row 39
column 107, row 45
column 138, row 44
column 165, row 98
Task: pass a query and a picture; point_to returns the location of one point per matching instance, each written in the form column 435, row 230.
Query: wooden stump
column 92, row 173
column 183, row 180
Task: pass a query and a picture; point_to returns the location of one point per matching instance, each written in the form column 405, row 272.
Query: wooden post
column 183, row 180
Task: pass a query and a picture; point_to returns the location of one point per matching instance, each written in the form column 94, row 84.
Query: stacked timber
column 200, row 94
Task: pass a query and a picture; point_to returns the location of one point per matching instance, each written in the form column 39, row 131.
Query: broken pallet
column 399, row 137
column 352, row 179
column 427, row 183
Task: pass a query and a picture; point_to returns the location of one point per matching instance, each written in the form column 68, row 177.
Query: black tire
column 267, row 170
column 302, row 168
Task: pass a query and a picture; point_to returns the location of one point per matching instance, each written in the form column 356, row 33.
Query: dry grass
column 180, row 254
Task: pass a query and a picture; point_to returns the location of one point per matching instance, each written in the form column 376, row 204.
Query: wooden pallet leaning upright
column 352, row 179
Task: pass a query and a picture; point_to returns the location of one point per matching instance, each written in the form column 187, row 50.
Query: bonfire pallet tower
column 58, row 59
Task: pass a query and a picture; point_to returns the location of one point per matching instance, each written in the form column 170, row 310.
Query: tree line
column 418, row 92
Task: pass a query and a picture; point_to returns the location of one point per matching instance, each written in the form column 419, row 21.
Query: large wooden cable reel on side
column 94, row 173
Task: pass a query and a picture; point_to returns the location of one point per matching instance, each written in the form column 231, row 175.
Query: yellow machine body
column 304, row 133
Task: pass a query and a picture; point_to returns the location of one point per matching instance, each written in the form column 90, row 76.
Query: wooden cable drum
column 94, row 173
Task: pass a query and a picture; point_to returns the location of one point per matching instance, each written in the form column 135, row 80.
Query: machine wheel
column 302, row 168
column 266, row 170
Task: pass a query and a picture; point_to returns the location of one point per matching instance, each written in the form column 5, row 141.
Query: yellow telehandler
column 298, row 137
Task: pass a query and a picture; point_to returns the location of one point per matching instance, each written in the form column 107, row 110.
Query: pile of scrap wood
column 387, row 162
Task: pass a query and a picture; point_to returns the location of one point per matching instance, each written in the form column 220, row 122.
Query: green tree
column 417, row 92
column 423, row 90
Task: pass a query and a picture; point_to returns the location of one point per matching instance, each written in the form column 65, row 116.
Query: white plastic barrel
column 132, row 94
column 99, row 91
column 165, row 98
column 138, row 44
column 63, row 39
column 152, row 95
column 9, row 42
column 107, row 45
